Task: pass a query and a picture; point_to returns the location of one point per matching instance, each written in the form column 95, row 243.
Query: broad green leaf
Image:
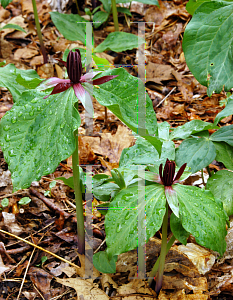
column 102, row 263
column 13, row 26
column 28, row 81
column 192, row 5
column 37, row 134
column 224, row 134
column 103, row 208
column 207, row 45
column 224, row 154
column 172, row 200
column 99, row 18
column 184, row 131
column 124, row 10
column 119, row 41
column 68, row 181
column 202, row 216
column 71, row 26
column 168, row 151
column 101, row 63
column 107, row 5
column 9, row 77
column 155, row 141
column 98, row 179
column 4, row 3
column 220, row 184
column 120, row 95
column 227, row 111
column 197, row 153
column 141, row 153
column 103, row 192
column 163, row 130
column 121, row 221
column 178, row 230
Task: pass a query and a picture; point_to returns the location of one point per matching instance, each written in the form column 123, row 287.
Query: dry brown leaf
column 180, row 295
column 61, row 268
column 158, row 73
column 106, row 280
column 25, row 53
column 4, row 14
column 10, row 223
column 46, row 70
column 87, row 267
column 3, row 268
column 42, row 281
column 19, row 20
column 84, row 288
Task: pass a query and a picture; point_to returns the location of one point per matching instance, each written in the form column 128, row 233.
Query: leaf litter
column 191, row 273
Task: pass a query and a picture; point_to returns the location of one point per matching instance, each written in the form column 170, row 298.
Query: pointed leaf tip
column 103, row 79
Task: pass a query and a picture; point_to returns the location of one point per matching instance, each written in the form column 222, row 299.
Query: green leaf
column 192, row 5
column 207, row 45
column 24, row 201
column 121, row 221
column 103, row 192
column 4, row 202
column 154, row 141
column 141, row 153
column 224, row 154
column 224, row 134
column 28, row 80
column 13, row 26
column 124, row 10
column 120, row 95
column 172, row 200
column 102, row 263
column 107, row 5
column 99, row 18
column 98, row 179
column 178, row 230
column 71, row 26
column 4, row 3
column 103, row 208
column 202, row 216
column 163, row 130
column 37, row 134
column 220, row 184
column 120, row 41
column 184, row 131
column 52, row 184
column 9, row 77
column 102, row 63
column 227, row 111
column 197, row 153
column 152, row 2
column 168, row 151
column 68, row 181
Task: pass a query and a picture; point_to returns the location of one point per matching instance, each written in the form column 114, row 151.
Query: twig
column 40, row 248
column 100, row 246
column 166, row 97
column 38, row 291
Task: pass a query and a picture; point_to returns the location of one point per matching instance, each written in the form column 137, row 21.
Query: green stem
column 39, row 31
column 159, row 278
column 78, row 198
column 202, row 176
column 115, row 17
column 76, row 2
column 156, row 265
column 208, row 170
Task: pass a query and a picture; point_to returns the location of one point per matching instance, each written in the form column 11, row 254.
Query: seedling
column 24, row 201
column 4, row 202
column 51, row 185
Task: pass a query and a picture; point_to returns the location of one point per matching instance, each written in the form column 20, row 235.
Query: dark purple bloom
column 74, row 70
column 168, row 176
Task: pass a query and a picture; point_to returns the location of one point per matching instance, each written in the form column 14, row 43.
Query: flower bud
column 74, row 66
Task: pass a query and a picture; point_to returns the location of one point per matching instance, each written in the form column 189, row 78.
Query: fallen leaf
column 10, row 223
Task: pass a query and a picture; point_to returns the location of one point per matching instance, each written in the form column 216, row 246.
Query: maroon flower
column 74, row 70
column 167, row 177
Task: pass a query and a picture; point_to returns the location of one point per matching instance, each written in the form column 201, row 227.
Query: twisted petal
column 103, row 79
column 60, row 87
column 180, row 172
column 89, row 76
column 51, row 82
column 84, row 97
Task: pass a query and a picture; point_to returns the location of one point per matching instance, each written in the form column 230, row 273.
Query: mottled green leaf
column 224, row 154
column 103, row 192
column 121, row 222
column 99, row 18
column 202, row 216
column 37, row 134
column 207, row 45
column 119, row 41
column 184, row 131
column 120, row 95
column 178, row 230
column 102, row 263
column 224, row 134
column 71, row 26
column 220, row 184
column 196, row 152
column 13, row 79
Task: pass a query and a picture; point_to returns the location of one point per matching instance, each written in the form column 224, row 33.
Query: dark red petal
column 160, row 173
column 180, row 172
column 60, row 87
column 168, row 172
column 63, row 62
column 103, row 79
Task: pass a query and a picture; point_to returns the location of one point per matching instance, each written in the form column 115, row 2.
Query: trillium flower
column 74, row 70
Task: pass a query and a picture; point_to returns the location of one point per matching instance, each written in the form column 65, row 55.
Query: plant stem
column 39, row 31
column 202, row 176
column 76, row 2
column 115, row 17
column 159, row 278
column 156, row 265
column 208, row 170
column 78, row 198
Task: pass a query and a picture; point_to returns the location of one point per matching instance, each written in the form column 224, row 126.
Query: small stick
column 166, row 97
column 40, row 248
